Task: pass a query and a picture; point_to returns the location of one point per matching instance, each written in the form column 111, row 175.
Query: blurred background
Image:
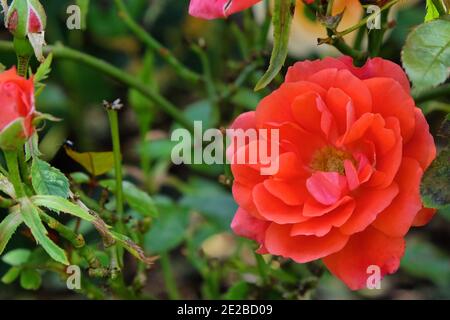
column 201, row 258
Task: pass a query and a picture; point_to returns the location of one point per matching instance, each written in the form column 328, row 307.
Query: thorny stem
column 115, row 135
column 344, row 48
column 359, row 37
column 59, row 51
column 265, row 27
column 262, row 268
column 76, row 240
column 439, row 7
column 361, row 23
column 14, row 172
column 210, row 87
column 154, row 45
column 240, row 80
column 24, row 51
column 330, row 7
column 169, row 279
column 6, row 203
column 429, row 94
column 116, row 251
column 376, row 36
column 93, row 205
column 3, row 171
column 22, row 65
column 23, row 166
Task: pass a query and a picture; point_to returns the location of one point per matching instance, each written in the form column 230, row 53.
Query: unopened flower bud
column 17, row 112
column 27, row 19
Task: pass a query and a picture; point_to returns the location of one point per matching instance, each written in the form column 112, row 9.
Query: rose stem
column 116, row 251
column 169, row 278
column 62, row 52
column 14, row 173
column 155, row 46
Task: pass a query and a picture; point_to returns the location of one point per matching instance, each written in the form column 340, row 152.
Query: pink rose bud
column 27, row 19
column 17, row 113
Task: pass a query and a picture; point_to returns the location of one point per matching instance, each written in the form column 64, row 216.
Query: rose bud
column 17, row 112
column 26, row 19
column 213, row 9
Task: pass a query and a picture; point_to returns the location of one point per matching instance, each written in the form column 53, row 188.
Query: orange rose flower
column 17, row 109
column 353, row 149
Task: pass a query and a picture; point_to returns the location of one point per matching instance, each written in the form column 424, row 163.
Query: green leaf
column 42, row 74
column 32, row 147
column 30, row 279
column 8, row 226
column 246, row 98
column 138, row 200
column 47, row 180
column 31, row 217
column 282, row 18
column 433, row 106
column 96, row 163
column 16, row 257
column 426, row 54
column 132, row 247
column 203, row 111
column 169, row 229
column 84, row 8
column 238, row 291
column 6, row 186
column 160, row 149
column 434, row 187
column 432, row 12
column 11, row 276
column 43, row 70
column 210, row 200
column 11, row 136
column 424, row 260
column 144, row 108
column 60, row 204
column 80, row 177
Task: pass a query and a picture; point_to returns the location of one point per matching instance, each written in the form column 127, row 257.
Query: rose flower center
column 330, row 159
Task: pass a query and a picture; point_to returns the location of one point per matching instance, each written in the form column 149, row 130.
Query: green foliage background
column 192, row 232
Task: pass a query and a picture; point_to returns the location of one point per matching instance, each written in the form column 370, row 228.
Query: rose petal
column 368, row 248
column 369, row 203
column 352, row 175
column 352, row 86
column 246, row 120
column 396, row 219
column 421, row 146
column 211, row 9
column 302, row 70
column 273, row 209
column 390, row 100
column 291, row 192
column 302, row 248
column 247, row 226
column 379, row 68
column 303, row 143
column 283, row 98
column 326, row 187
column 320, row 226
column 341, row 106
column 243, row 196
column 313, row 208
column 423, row 217
column 388, row 163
